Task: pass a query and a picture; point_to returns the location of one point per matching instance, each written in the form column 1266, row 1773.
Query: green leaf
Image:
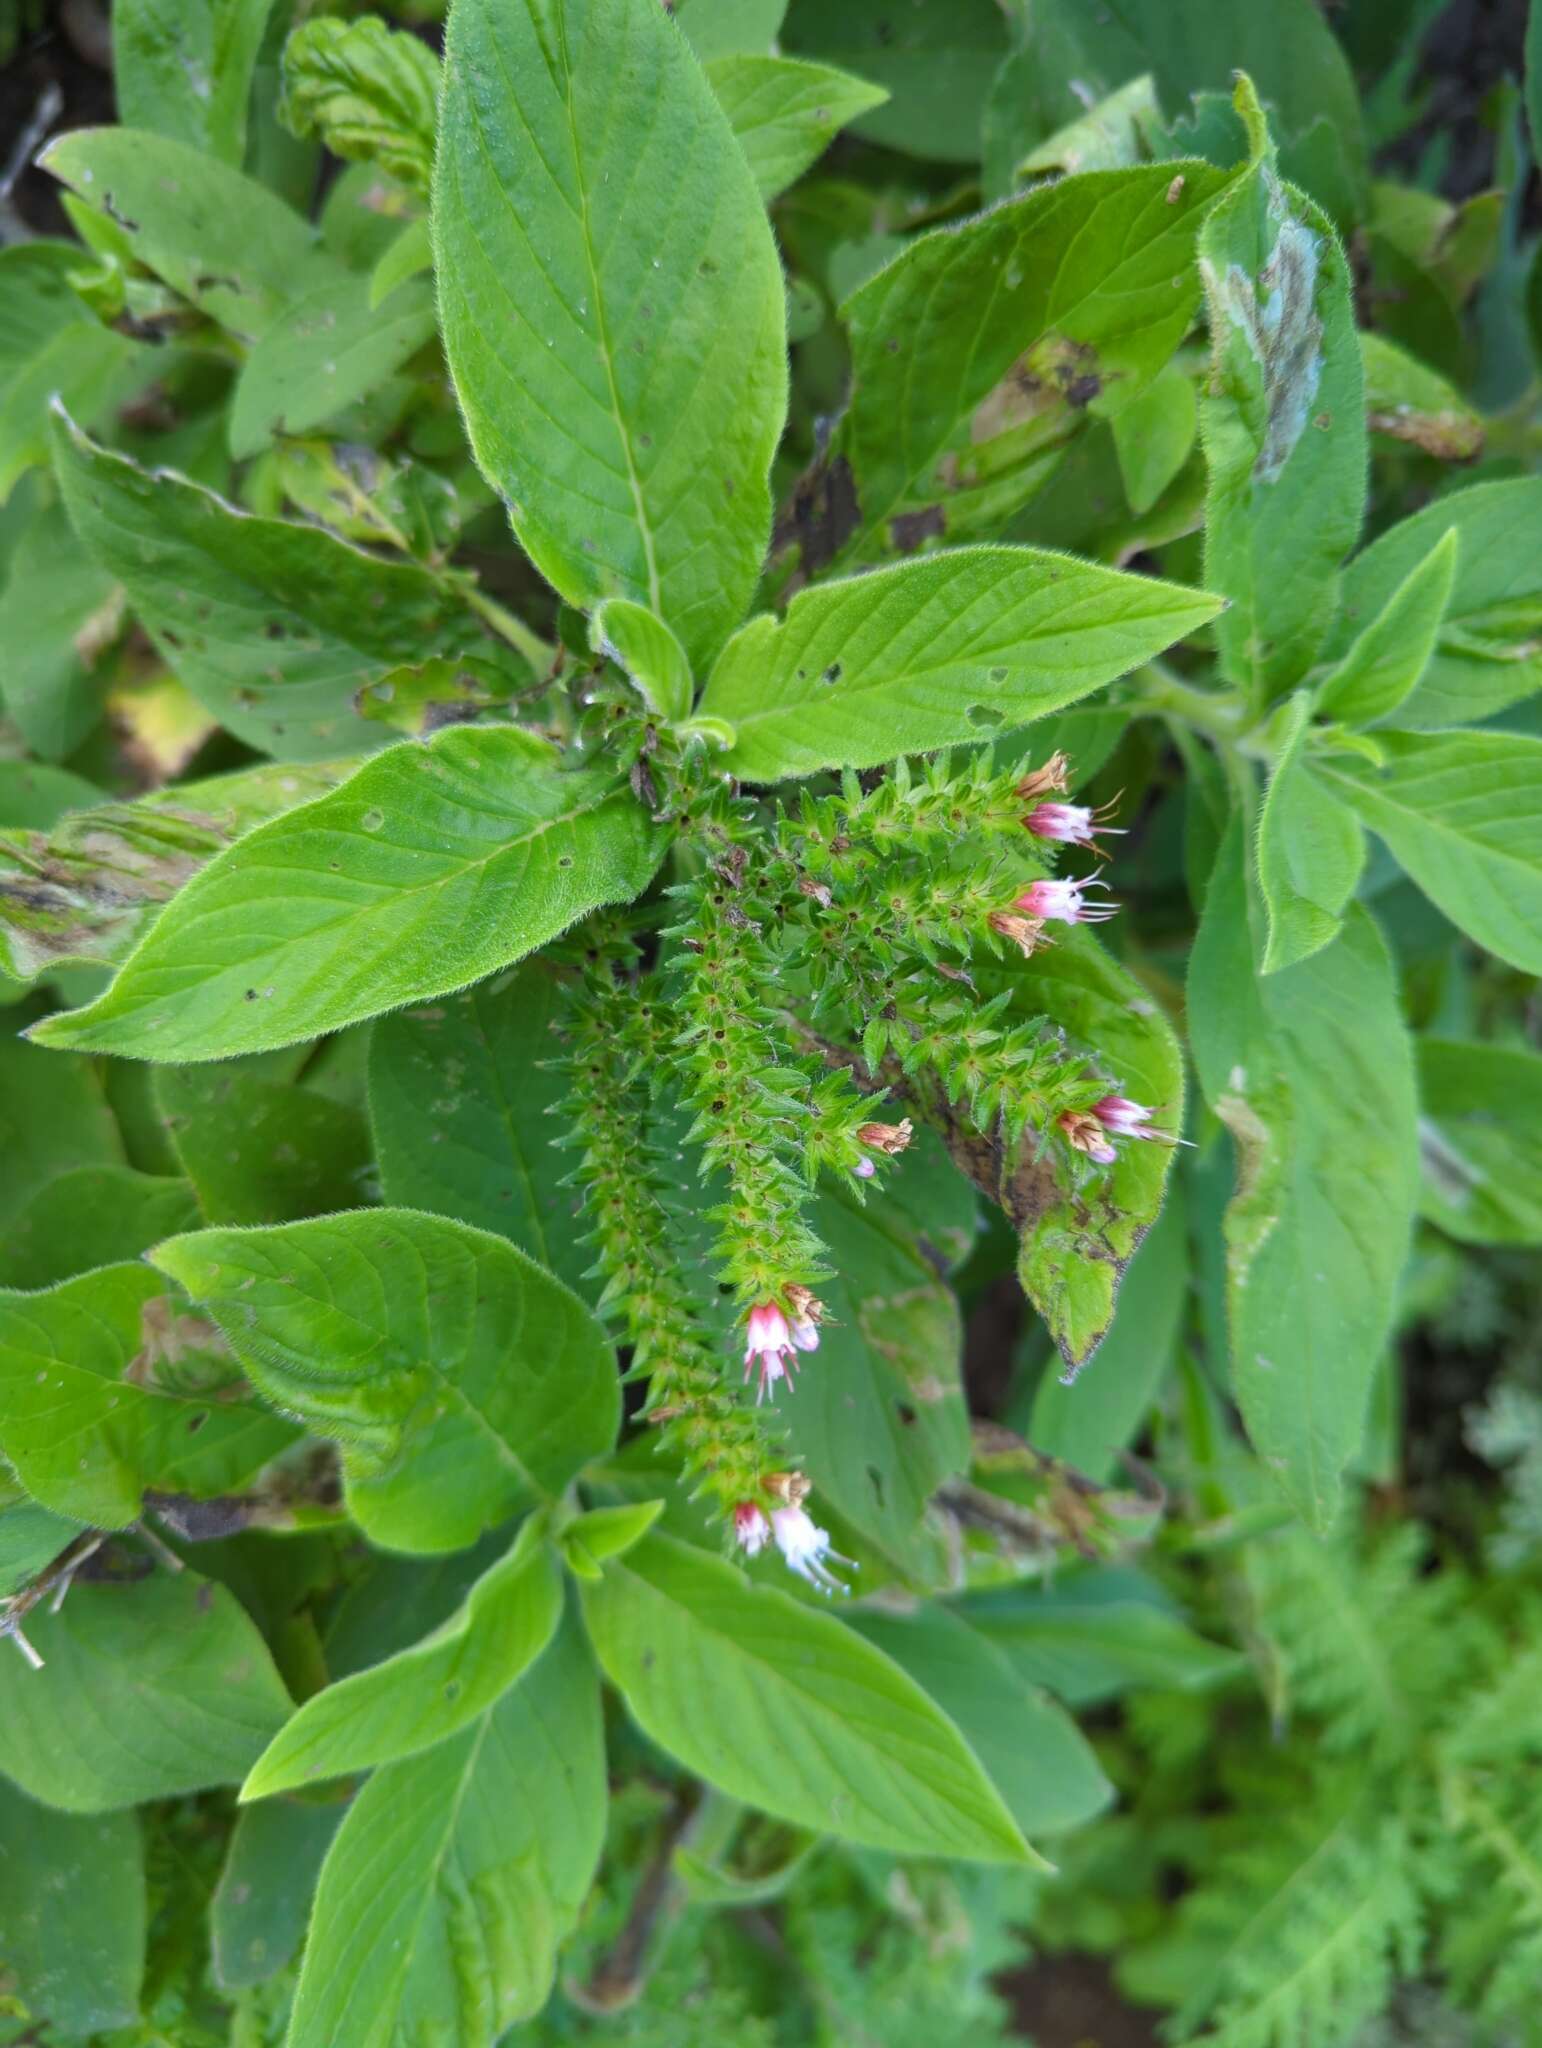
column 936, row 57
column 1078, row 1233
column 717, row 28
column 612, row 306
column 1408, row 401
column 461, row 1095
column 1094, row 1636
column 1089, row 1424
column 367, row 91
column 51, row 345
column 262, row 1151
column 218, row 238
column 463, row 1382
column 1154, row 435
column 785, row 114
column 1489, row 649
column 932, row 653
column 1110, row 136
column 1480, row 1140
column 1312, row 1073
column 457, row 1873
column 85, row 1426
column 788, row 1710
column 1310, row 849
column 1392, row 651
column 30, row 1537
column 651, row 655
column 324, row 353
column 147, row 1690
column 91, row 1216
column 885, row 1420
column 258, row 1913
column 408, row 256
column 977, row 350
column 34, row 795
column 272, row 625
column 1462, row 812
column 431, row 866
column 590, row 1539
column 73, row 1913
column 53, row 1116
column 1034, row 1754
column 1283, row 424
column 424, row 1695
column 84, row 890
column 184, row 68
column 55, row 604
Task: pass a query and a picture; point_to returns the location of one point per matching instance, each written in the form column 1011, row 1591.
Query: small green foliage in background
column 706, row 709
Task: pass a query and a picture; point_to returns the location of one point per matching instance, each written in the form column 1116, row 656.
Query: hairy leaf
column 86, row 889
column 1480, row 1140
column 147, row 1690
column 73, row 1911
column 785, row 114
column 1391, row 652
column 431, row 866
column 461, row 1095
column 932, row 653
column 368, row 91
column 322, row 354
column 612, row 305
column 788, row 1709
column 1312, row 1073
column 977, row 351
column 1310, row 850
column 184, row 68
column 1283, row 423
column 1488, row 652
column 259, row 1909
column 1462, row 811
column 424, row 1695
column 456, row 1873
column 56, row 606
column 87, row 1427
column 50, row 345
column 273, row 626
column 462, row 1381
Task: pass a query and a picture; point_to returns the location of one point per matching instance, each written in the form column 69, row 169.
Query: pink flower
column 864, row 1169
column 752, row 1532
column 1072, row 824
column 1129, row 1119
column 773, row 1342
column 806, row 1547
column 1065, row 900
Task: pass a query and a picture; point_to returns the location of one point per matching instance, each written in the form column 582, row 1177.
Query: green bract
column 664, row 671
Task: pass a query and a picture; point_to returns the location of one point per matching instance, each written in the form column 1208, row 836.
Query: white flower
column 805, row 1548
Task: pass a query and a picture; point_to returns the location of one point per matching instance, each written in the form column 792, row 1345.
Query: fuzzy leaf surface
column 148, row 1690
column 1390, row 654
column 72, row 1904
column 612, row 305
column 462, row 1381
column 1462, row 811
column 183, row 68
column 424, row 1695
column 976, row 352
column 272, row 625
column 456, row 1873
column 785, row 113
column 1283, row 425
column 1488, row 650
column 1480, row 1140
column 1310, row 850
column 1312, row 1072
column 933, row 653
column 430, row 867
column 788, row 1709
column 461, row 1103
